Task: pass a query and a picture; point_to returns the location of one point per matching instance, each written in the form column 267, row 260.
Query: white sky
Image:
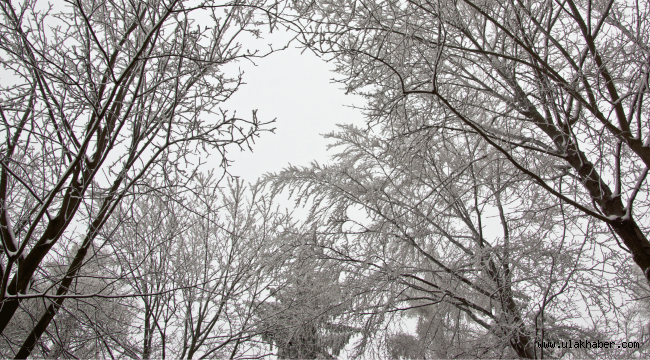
column 296, row 89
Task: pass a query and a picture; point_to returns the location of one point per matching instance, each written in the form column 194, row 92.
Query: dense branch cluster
column 497, row 198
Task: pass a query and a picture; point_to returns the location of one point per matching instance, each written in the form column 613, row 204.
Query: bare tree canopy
column 557, row 88
column 103, row 98
column 496, row 200
column 528, row 114
column 487, row 264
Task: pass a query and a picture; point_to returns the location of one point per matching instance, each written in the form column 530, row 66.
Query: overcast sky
column 296, row 89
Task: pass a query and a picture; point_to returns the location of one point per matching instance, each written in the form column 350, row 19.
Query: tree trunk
column 77, row 262
column 636, row 242
column 38, row 330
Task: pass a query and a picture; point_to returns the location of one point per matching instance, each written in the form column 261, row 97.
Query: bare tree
column 203, row 262
column 179, row 275
column 488, row 264
column 105, row 96
column 557, row 88
column 304, row 316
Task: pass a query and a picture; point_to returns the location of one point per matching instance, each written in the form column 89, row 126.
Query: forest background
column 494, row 198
